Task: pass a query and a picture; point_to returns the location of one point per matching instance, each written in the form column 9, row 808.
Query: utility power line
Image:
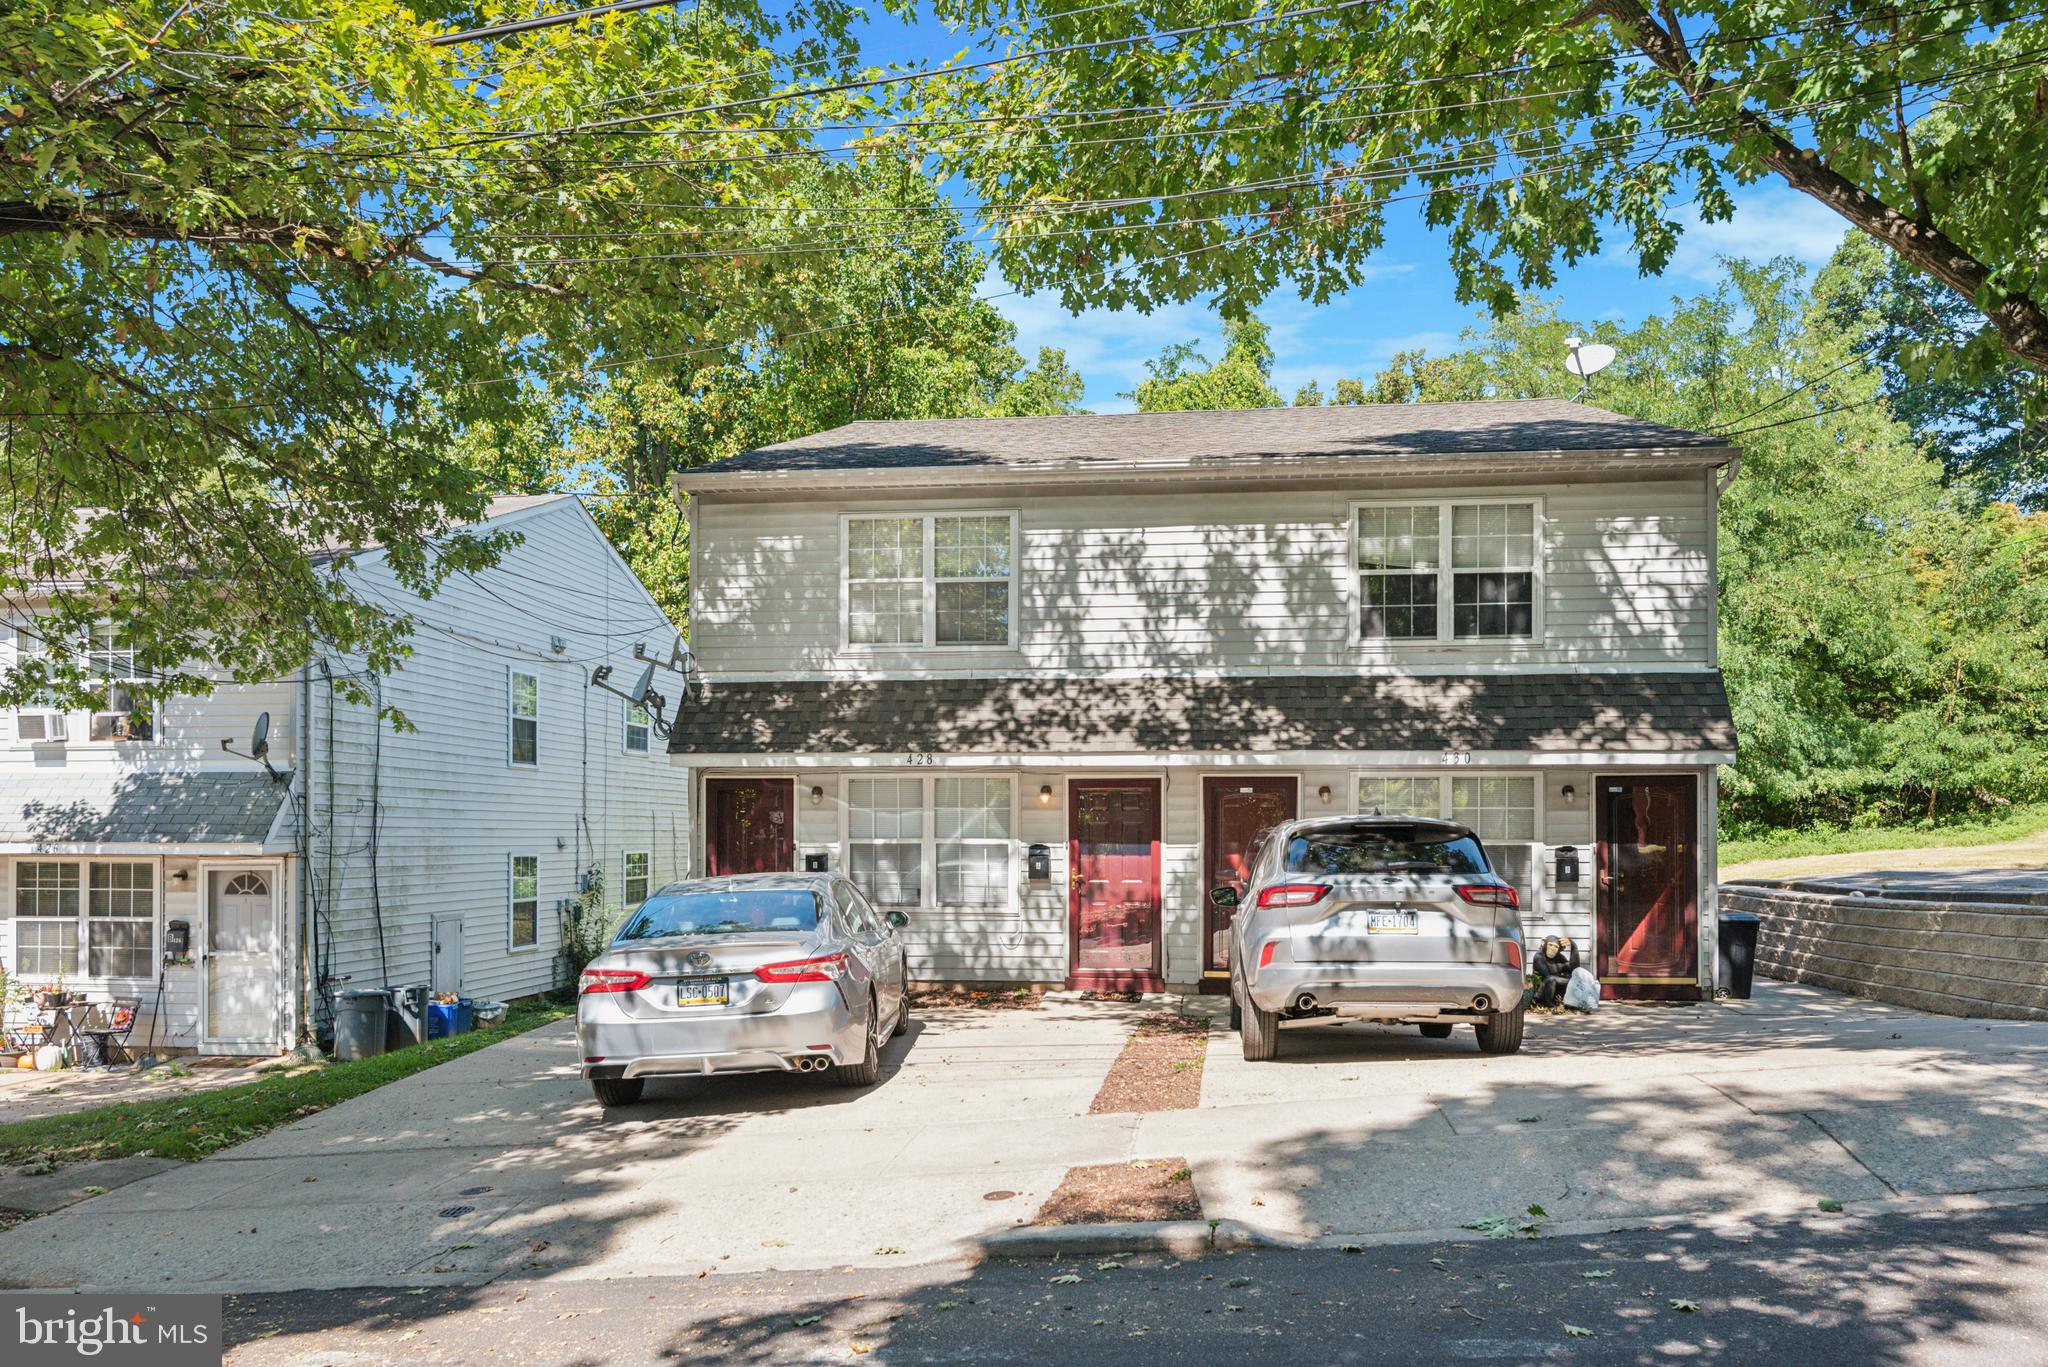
column 506, row 30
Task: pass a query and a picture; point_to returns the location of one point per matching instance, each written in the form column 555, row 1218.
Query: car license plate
column 703, row 991
column 1398, row 921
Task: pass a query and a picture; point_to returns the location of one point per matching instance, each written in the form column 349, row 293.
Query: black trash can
column 1738, row 953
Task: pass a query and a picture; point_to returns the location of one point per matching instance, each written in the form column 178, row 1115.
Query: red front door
column 1113, row 883
column 751, row 825
column 1648, row 899
column 1236, row 811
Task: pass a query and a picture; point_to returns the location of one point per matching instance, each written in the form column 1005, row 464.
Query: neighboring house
column 1040, row 681
column 446, row 854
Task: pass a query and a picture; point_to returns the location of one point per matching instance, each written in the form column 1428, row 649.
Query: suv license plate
column 703, row 991
column 1399, row 922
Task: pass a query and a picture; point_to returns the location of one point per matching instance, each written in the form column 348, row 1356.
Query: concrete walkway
column 499, row 1164
column 29, row 1095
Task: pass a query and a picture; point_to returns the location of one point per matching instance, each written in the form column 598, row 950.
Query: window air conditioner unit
column 39, row 726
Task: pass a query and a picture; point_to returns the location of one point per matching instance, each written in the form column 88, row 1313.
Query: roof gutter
column 1272, row 468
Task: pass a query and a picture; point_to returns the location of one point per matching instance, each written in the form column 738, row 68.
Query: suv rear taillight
column 823, row 969
column 596, row 980
column 1490, row 895
column 1293, row 894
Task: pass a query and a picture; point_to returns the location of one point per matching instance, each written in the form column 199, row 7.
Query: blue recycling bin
column 450, row 1018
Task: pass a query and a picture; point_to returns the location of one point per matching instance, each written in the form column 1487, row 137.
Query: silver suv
column 1383, row 918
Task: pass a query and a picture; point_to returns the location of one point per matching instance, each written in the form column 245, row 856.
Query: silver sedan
column 770, row 972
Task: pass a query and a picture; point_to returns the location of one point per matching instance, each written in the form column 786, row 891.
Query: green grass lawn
column 200, row 1123
column 2017, row 824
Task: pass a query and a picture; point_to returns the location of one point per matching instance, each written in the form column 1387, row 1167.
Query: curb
column 1181, row 1238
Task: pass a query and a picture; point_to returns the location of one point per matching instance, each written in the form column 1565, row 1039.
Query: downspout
column 308, row 929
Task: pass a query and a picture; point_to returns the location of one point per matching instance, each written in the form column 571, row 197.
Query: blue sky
column 1409, row 303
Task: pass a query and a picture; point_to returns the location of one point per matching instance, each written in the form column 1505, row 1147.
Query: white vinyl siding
column 1142, row 580
column 522, row 718
column 928, row 581
column 522, row 920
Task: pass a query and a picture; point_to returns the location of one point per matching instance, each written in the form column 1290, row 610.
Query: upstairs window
column 636, row 729
column 523, row 707
column 1410, row 590
column 118, row 715
column 930, row 580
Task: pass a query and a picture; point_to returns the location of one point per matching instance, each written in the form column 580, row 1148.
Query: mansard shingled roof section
column 1262, row 437
column 1671, row 713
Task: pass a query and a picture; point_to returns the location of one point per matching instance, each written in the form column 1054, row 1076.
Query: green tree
column 1986, row 428
column 261, row 267
column 1048, row 388
column 1414, row 377
column 1180, row 377
column 1256, row 146
column 1309, row 395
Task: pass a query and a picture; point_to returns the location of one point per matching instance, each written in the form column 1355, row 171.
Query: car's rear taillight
column 596, row 980
column 823, row 969
column 1293, row 894
column 1490, row 894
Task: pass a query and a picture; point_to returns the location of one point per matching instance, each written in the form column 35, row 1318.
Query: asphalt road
column 1949, row 1288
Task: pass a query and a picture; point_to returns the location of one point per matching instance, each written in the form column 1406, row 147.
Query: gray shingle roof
column 138, row 808
column 1616, row 713
column 1365, row 431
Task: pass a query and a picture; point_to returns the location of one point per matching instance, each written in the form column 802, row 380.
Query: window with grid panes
column 973, row 824
column 1502, row 810
column 120, row 714
column 971, row 568
column 633, row 887
column 120, row 906
column 1397, row 572
column 525, row 901
column 885, row 839
column 46, row 904
column 885, row 580
column 1493, row 570
column 1401, row 794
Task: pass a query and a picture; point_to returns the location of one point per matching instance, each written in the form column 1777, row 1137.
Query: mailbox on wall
column 1567, row 864
column 817, row 861
column 1038, row 863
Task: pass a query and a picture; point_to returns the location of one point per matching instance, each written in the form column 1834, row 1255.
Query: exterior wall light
column 817, row 794
column 1324, row 793
column 1045, row 795
column 1569, row 792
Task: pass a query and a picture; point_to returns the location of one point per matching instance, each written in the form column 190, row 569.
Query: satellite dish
column 1588, row 360
column 638, row 693
column 259, row 739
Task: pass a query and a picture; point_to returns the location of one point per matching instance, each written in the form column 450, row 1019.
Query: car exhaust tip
column 1482, row 1003
column 1305, row 1002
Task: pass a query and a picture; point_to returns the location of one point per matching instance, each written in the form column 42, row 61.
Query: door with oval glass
column 241, row 969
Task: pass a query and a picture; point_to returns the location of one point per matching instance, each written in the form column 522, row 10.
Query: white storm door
column 241, row 959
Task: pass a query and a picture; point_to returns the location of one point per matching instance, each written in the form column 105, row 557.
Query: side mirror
column 1223, row 897
column 896, row 919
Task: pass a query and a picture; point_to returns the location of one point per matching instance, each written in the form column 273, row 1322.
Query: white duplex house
column 138, row 858
column 1040, row 681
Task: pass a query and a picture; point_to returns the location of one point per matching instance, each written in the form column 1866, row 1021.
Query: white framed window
column 46, row 916
column 40, row 720
column 933, row 841
column 118, row 715
column 637, row 870
column 92, row 917
column 637, row 729
column 120, row 919
column 1504, row 810
column 885, row 831
column 1448, row 571
column 973, row 827
column 523, row 902
column 522, row 718
column 929, row 580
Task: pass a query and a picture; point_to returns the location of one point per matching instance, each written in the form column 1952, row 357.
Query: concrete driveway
column 499, row 1164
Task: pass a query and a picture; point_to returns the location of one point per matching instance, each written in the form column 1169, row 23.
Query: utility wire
column 491, row 31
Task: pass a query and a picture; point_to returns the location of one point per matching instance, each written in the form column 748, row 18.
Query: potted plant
column 13, row 998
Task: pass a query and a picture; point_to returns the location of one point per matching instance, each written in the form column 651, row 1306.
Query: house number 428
column 919, row 759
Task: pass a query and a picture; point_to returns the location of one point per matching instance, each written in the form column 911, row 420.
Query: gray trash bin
column 359, row 1022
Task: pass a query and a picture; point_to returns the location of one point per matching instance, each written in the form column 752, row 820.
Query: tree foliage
column 261, row 267
column 1884, row 639
column 897, row 334
column 1233, row 147
column 1180, row 377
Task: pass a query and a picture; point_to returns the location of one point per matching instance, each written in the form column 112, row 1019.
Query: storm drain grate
column 452, row 1211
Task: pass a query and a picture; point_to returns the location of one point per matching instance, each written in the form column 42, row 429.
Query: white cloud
column 1767, row 223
